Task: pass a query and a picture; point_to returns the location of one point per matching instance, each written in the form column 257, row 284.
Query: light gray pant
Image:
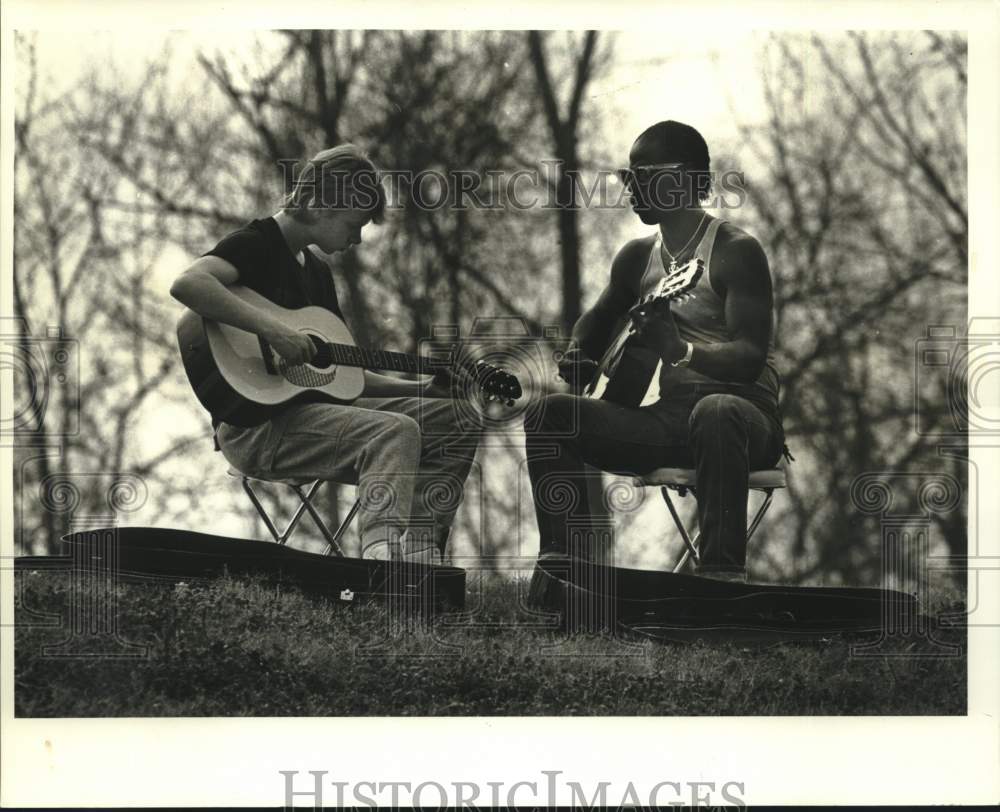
column 408, row 456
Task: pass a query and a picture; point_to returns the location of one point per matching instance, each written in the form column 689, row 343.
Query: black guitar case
column 145, row 553
column 668, row 606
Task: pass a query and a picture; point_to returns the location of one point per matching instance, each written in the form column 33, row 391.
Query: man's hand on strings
column 654, row 326
column 294, row 347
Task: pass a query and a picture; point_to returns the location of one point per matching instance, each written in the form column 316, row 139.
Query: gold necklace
column 673, row 259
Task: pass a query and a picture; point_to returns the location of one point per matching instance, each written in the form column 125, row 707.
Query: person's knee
column 453, row 425
column 457, row 419
column 717, row 415
column 399, row 435
column 553, row 415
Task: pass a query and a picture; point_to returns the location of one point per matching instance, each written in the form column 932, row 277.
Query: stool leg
column 331, row 540
column 691, row 550
column 683, row 560
column 260, row 510
column 769, row 493
column 679, row 566
column 345, row 524
column 300, row 510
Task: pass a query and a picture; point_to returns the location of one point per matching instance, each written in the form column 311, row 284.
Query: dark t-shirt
column 260, row 254
column 265, row 264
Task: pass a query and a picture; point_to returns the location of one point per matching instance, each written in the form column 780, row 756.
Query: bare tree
column 861, row 206
column 564, row 126
column 82, row 265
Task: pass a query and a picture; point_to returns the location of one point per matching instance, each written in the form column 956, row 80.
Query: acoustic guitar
column 242, row 381
column 626, row 369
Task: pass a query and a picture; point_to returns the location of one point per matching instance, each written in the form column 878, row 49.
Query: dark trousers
column 722, row 436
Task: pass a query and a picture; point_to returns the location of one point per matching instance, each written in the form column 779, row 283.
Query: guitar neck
column 351, row 356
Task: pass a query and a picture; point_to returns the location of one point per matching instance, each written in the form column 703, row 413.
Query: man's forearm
column 591, row 334
column 209, row 298
column 732, row 361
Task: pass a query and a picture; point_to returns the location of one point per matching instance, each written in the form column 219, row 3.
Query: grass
column 247, row 648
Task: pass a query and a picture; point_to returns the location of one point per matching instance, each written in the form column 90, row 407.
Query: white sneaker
column 385, row 550
column 418, row 551
column 428, row 556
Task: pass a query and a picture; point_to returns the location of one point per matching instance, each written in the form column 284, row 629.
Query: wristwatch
column 683, row 362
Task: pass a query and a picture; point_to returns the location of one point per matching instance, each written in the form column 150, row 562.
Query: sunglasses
column 646, row 173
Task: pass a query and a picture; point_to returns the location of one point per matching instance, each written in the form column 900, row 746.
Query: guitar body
column 242, row 381
column 227, row 370
column 624, row 373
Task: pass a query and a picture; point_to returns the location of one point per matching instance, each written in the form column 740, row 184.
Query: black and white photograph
column 495, row 408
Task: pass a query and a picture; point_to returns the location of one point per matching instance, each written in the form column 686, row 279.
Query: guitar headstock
column 496, row 382
column 678, row 283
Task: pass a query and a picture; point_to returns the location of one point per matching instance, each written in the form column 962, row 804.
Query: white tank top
column 701, row 320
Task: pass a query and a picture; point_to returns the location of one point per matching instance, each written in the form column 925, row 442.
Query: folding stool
column 682, row 480
column 305, row 489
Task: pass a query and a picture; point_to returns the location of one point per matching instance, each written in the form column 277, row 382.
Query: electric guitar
column 242, row 381
column 626, row 369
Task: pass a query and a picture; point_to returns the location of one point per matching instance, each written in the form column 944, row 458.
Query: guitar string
column 609, row 362
column 353, row 355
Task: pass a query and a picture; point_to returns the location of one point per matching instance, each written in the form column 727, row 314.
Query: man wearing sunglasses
column 711, row 402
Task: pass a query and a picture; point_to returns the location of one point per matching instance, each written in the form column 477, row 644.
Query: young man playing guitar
column 707, row 393
column 407, row 454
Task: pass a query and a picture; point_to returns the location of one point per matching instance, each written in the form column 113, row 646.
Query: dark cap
column 678, row 142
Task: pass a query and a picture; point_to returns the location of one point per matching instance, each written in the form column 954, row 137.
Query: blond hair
column 341, row 177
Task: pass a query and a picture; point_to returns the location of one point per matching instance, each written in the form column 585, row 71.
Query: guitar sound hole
column 319, row 372
column 323, row 358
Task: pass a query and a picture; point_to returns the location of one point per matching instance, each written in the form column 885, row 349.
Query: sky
column 688, row 81
column 654, row 76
